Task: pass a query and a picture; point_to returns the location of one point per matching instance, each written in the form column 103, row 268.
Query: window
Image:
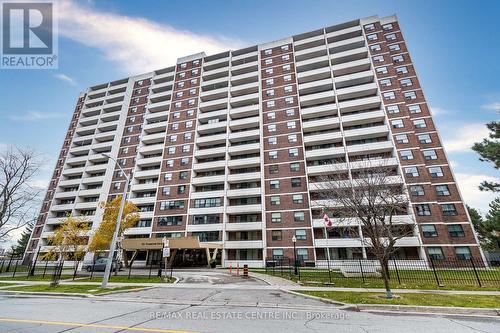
column 296, row 182
column 289, row 100
column 272, row 140
column 411, row 171
column 442, row 190
column 302, row 254
column 424, row 138
column 394, row 47
column 184, row 161
column 294, row 167
column 192, row 91
column 423, row 210
column 417, row 190
column 429, row 230
column 205, row 203
column 430, row 154
column 299, row 216
column 167, row 177
column 285, row 57
column 293, row 152
column 449, row 210
column 435, row 253
column 189, row 124
column 273, row 169
column 180, row 84
column 170, row 163
column 177, row 115
column 183, row 65
column 173, row 204
column 268, row 61
column 390, row 37
column 372, row 37
column 275, row 217
column 463, row 252
column 196, row 62
column 414, row 109
column 398, row 58
column 382, row 70
column 277, row 253
column 190, row 112
column 385, row 82
column 387, row 26
column 292, row 138
column 436, row 172
column 287, row 78
column 401, row 138
column 179, row 94
column 269, row 71
column 187, row 136
column 194, row 71
column 270, row 104
column 406, row 154
column 389, row 95
column 274, row 184
column 300, row 234
column 397, row 123
column 125, row 150
column 130, row 129
column 284, row 47
column 165, row 191
column 164, row 221
column 290, row 124
column 405, row 82
column 183, row 175
column 275, row 201
column 270, row 92
column 288, row 89
column 186, row 148
column 297, row 199
column 290, row 112
column 173, row 138
column 191, row 102
column 171, row 150
column 409, row 95
column 175, row 126
column 276, row 235
column 117, row 186
column 273, row 155
column 393, row 109
column 286, row 67
column 268, row 51
column 402, row 70
column 178, row 104
column 419, row 123
column 375, row 47
column 370, row 27
column 271, row 115
column 456, row 230
column 379, row 58
column 269, row 82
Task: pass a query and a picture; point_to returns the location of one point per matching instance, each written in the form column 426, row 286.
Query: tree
column 374, row 196
column 101, row 240
column 69, row 241
column 478, row 223
column 23, row 241
column 18, row 168
column 492, row 225
column 489, row 151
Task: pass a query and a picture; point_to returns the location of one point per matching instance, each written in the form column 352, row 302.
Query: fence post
column 475, row 272
column 8, row 265
column 150, row 268
column 397, row 272
column 129, row 270
column 92, row 271
column 435, row 273
column 171, row 269
column 45, row 269
column 362, row 274
column 1, row 267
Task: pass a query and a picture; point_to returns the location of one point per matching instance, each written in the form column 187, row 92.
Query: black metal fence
column 12, row 268
column 413, row 273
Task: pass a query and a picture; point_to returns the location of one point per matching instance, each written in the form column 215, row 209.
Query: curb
column 72, row 294
column 408, row 309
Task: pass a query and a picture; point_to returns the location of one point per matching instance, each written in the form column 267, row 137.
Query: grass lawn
column 469, row 301
column 75, row 288
column 133, row 279
column 6, row 284
column 418, row 280
column 47, row 277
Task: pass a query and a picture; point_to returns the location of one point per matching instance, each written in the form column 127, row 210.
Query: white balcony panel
column 326, row 169
column 357, row 91
column 158, row 106
column 239, row 100
column 256, row 244
column 73, row 171
column 211, row 127
column 341, row 32
column 325, row 153
column 208, row 180
column 69, row 182
column 241, row 226
column 55, row 220
column 69, row 194
column 97, row 167
column 208, row 210
column 245, row 55
column 244, row 111
column 319, row 111
column 146, row 173
column 214, row 104
column 314, row 74
column 243, row 209
column 242, row 177
column 93, row 180
column 214, row 114
column 246, row 192
column 207, row 194
column 360, row 104
column 360, row 118
column 151, row 149
column 220, row 151
column 244, row 135
column 359, row 40
column 366, row 132
column 155, row 127
column 244, row 162
column 248, row 148
column 149, row 160
column 212, row 139
column 244, row 123
column 91, row 192
column 351, row 67
column 301, row 54
column 324, row 123
column 309, row 40
column 338, row 242
column 371, row 147
column 143, row 187
column 207, row 166
column 62, row 207
column 153, row 138
column 317, row 98
column 143, row 200
column 204, row 227
column 322, row 138
column 138, row 231
column 86, row 205
column 374, row 163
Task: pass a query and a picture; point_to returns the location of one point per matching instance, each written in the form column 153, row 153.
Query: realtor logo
column 28, row 35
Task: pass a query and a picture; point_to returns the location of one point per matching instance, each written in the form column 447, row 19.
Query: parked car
column 100, row 265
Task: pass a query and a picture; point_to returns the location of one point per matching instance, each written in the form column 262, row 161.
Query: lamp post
column 294, row 240
column 112, row 246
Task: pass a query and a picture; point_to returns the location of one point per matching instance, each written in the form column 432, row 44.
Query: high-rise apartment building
column 227, row 147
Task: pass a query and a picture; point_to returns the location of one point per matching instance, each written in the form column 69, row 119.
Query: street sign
column 166, row 252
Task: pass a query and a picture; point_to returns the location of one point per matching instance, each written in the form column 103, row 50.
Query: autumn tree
column 374, row 196
column 489, row 151
column 101, row 240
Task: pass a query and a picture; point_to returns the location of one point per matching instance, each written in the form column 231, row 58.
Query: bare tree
column 18, row 196
column 374, row 195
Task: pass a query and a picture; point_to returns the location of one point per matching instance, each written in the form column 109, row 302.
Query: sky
column 454, row 45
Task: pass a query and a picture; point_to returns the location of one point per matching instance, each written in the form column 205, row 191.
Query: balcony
column 204, row 227
column 214, row 105
column 245, row 89
column 366, row 132
column 374, row 163
column 143, row 200
column 317, row 98
column 209, row 166
column 362, row 118
column 211, row 139
column 244, row 135
column 211, row 127
column 354, row 79
column 211, row 152
column 146, row 173
column 351, row 67
column 207, row 194
column 213, row 114
column 143, row 187
column 243, row 209
column 151, row 149
column 242, row 177
column 371, row 148
column 338, row 242
column 158, row 106
column 208, row 180
column 325, row 153
column 350, row 55
column 326, row 169
column 314, row 75
column 155, row 127
column 320, row 124
column 244, row 100
column 86, row 205
column 138, row 231
column 244, row 162
column 312, row 52
column 155, row 138
column 244, row 123
column 347, row 44
column 250, row 244
column 93, row 180
column 363, row 90
column 149, row 161
column 319, row 111
column 214, row 94
column 70, row 182
column 97, row 167
column 322, row 138
column 244, row 111
column 244, row 226
column 360, row 104
column 207, row 210
column 246, row 192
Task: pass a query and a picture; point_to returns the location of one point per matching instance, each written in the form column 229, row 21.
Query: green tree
column 478, row 223
column 489, row 151
column 492, row 225
column 22, row 243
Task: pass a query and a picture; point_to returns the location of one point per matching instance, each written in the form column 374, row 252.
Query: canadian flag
column 328, row 222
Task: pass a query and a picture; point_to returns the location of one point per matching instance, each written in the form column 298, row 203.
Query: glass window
column 394, row 47
column 419, row 123
column 423, row 210
column 401, row 138
column 397, row 123
column 372, row 37
column 296, row 182
column 463, row 252
column 370, row 27
column 430, row 154
column 273, row 169
column 270, row 92
column 402, row 70
column 435, row 253
column 390, row 37
column 405, row 82
column 286, row 67
column 270, row 104
column 186, row 148
column 442, row 190
column 417, row 190
column 290, row 124
column 294, row 167
column 273, row 154
column 272, row 140
column 290, row 112
column 378, row 58
column 277, row 253
column 288, row 89
column 411, row 171
column 275, row 200
column 406, row 154
column 302, row 254
column 269, row 82
column 297, row 199
column 429, row 230
column 171, row 150
column 292, row 138
column 382, row 70
column 449, row 209
column 385, row 82
column 271, row 128
column 275, row 217
column 170, row 163
column 299, row 216
column 289, row 100
column 388, row 95
column 375, row 47
column 387, row 26
column 393, row 109
column 287, row 78
column 269, row 71
column 398, row 58
column 167, row 177
column 284, row 47
column 271, row 115
column 456, row 230
column 414, row 109
column 274, row 184
column 285, row 57
column 300, row 234
column 293, row 152
column 436, row 172
column 424, row 138
column 268, row 52
column 276, row 235
column 410, row 95
column 269, row 61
